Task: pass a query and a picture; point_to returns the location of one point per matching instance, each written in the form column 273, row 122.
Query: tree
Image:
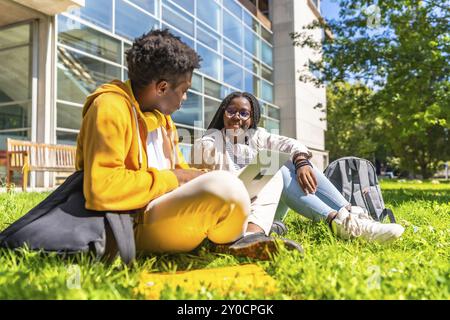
column 400, row 50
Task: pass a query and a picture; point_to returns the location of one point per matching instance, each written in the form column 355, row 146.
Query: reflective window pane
column 191, row 110
column 251, row 22
column 267, row 91
column 126, row 21
column 251, row 42
column 79, row 36
column 207, row 37
column 210, row 64
column 15, row 36
column 272, row 125
column 79, row 75
column 251, row 83
column 232, row 74
column 233, row 6
column 187, row 5
column 232, row 52
column 68, row 117
column 148, row 5
column 209, row 12
column 69, row 138
column 266, row 35
column 196, row 82
column 15, row 116
column 15, row 74
column 177, row 18
column 211, row 107
column 212, row 89
column 273, row 112
column 96, row 11
column 267, row 73
column 266, row 54
column 252, row 64
column 184, row 38
column 232, row 29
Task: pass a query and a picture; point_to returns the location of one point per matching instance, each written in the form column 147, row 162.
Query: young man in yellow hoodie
column 128, row 149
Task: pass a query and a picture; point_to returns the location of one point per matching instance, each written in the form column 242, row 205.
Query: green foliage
column 401, row 50
column 414, row 267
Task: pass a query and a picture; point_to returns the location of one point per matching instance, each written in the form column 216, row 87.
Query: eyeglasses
column 243, row 114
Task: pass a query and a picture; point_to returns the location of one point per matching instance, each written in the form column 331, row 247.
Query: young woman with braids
column 233, row 139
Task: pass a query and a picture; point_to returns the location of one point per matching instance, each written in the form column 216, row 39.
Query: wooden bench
column 27, row 156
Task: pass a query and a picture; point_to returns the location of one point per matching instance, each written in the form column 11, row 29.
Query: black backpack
column 62, row 224
column 357, row 180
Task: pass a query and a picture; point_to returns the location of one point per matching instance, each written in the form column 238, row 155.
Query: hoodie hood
column 153, row 119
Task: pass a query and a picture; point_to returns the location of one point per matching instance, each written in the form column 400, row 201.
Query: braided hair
column 217, row 121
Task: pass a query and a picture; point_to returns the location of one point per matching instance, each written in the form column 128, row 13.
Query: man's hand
column 307, row 179
column 186, row 175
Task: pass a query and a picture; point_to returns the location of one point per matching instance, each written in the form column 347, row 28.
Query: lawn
column 415, row 267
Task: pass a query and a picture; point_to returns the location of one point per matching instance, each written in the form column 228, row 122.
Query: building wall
column 296, row 99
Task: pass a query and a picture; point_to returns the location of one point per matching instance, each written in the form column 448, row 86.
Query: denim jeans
column 315, row 206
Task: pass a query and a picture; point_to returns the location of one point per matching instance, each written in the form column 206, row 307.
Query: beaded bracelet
column 302, row 163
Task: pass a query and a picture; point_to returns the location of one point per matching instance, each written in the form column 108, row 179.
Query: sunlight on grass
column 415, row 267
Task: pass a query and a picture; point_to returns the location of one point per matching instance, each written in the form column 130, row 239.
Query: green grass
column 415, row 267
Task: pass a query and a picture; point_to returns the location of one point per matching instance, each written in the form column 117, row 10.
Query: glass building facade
column 237, row 53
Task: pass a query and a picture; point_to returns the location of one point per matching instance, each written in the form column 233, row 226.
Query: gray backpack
column 62, row 224
column 357, row 180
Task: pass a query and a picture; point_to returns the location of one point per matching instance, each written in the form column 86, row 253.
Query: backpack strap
column 389, row 213
column 122, row 229
column 346, row 181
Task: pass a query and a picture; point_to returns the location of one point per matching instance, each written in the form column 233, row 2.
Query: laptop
column 263, row 167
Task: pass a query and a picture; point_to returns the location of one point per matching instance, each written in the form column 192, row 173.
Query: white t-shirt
column 155, row 153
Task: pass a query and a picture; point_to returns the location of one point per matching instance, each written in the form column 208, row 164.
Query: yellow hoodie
column 108, row 151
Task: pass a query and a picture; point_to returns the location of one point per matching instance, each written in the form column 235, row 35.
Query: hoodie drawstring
column 139, row 137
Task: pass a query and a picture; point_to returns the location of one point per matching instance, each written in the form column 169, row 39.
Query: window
column 191, row 110
column 148, row 5
column 131, row 22
column 211, row 61
column 273, row 112
column 232, row 29
column 251, row 22
column 232, row 52
column 188, row 5
column 178, row 18
column 267, row 91
column 196, row 82
column 68, row 116
column 63, row 137
column 98, row 12
column 232, row 74
column 81, row 37
column 209, row 12
column 184, row 38
column 235, row 8
column 266, row 73
column 251, row 42
column 211, row 107
column 15, row 115
column 251, row 83
column 213, row 89
column 266, row 35
column 15, row 83
column 79, row 75
column 207, row 37
column 266, row 55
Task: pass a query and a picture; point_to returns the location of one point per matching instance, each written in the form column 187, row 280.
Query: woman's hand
column 307, row 179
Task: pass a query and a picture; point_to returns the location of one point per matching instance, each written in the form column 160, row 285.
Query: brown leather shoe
column 257, row 246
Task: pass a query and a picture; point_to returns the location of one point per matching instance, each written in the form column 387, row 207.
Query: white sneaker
column 360, row 212
column 346, row 226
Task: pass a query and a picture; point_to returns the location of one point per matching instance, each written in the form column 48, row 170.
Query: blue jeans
column 316, row 206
